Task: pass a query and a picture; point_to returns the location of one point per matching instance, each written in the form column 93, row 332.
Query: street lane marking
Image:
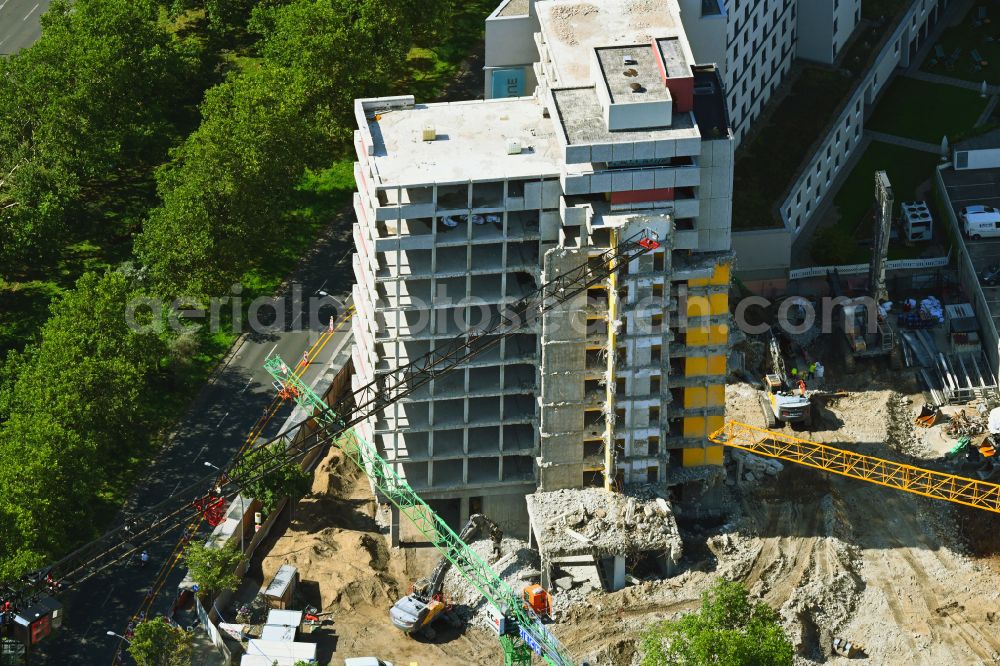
column 28, row 15
column 249, row 381
column 200, row 451
column 271, row 352
column 222, row 419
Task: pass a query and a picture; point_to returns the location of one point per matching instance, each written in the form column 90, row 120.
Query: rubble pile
column 755, row 467
column 517, row 566
column 602, row 523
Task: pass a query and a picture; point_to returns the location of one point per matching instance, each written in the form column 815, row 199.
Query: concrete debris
column 565, row 583
column 628, row 525
column 517, row 565
column 756, row 466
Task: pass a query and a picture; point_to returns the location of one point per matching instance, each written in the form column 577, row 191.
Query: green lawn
column 907, row 170
column 966, row 37
column 926, row 111
column 770, row 158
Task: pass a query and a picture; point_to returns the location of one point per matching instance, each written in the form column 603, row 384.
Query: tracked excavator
column 780, row 401
column 415, row 613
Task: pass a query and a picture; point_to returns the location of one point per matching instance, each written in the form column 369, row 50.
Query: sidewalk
column 952, row 81
column 912, row 144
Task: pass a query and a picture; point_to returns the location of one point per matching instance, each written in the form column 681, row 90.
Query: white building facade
column 463, row 206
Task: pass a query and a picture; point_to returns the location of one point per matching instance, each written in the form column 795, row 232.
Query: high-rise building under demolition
column 461, row 206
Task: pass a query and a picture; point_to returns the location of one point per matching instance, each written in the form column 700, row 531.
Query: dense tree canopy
column 82, row 109
column 728, row 630
column 224, row 190
column 74, row 407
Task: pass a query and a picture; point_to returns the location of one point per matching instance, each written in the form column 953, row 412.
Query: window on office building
column 857, row 106
column 809, row 206
column 895, row 47
column 857, row 16
column 829, row 152
column 834, row 26
column 836, row 138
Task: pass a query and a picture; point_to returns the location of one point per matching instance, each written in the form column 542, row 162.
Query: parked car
column 980, row 222
column 990, row 275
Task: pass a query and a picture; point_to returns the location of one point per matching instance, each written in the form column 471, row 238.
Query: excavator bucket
column 928, row 416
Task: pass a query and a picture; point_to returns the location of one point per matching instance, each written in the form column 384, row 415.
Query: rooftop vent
column 629, row 60
column 513, row 147
column 631, row 72
column 429, row 133
column 636, row 87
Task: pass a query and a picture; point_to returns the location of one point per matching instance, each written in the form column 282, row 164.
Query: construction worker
column 819, row 371
column 802, row 387
column 143, row 558
column 795, row 372
column 305, row 357
column 812, row 369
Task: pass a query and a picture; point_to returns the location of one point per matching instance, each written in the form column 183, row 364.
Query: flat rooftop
column 582, row 121
column 672, row 54
column 632, row 74
column 513, row 8
column 471, row 142
column 573, row 28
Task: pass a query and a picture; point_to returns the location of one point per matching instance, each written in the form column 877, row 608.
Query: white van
column 981, row 222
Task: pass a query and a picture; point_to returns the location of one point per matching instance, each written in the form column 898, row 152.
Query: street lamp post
column 112, row 633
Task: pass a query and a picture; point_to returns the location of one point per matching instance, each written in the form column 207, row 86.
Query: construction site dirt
column 912, row 580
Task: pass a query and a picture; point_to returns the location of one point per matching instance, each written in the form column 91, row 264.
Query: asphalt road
column 215, row 429
column 19, row 25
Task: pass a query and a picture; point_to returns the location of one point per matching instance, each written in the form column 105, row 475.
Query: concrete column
column 463, row 511
column 394, row 525
column 618, row 575
column 546, row 572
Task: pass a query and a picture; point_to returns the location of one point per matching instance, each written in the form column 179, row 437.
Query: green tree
column 226, row 188
column 284, row 477
column 728, row 630
column 76, row 407
column 342, row 49
column 84, row 114
column 157, row 643
column 214, row 569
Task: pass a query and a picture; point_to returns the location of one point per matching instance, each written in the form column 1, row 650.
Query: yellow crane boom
column 925, row 482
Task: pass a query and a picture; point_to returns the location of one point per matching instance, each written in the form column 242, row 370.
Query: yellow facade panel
column 693, row 457
column 694, row 397
column 698, row 306
column 721, row 275
column 719, row 304
column 698, row 282
column 718, row 334
column 716, row 396
column 697, row 365
column 713, row 455
column 697, row 336
column 694, row 426
column 715, row 422
column 716, row 365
